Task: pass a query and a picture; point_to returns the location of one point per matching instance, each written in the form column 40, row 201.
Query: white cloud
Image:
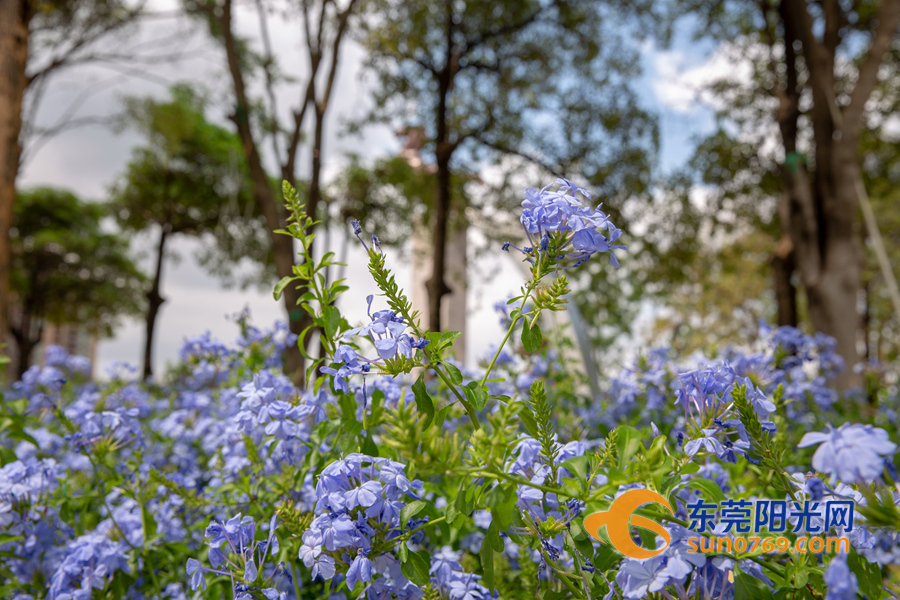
column 679, row 80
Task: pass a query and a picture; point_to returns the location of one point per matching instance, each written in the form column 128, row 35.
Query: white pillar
column 453, row 305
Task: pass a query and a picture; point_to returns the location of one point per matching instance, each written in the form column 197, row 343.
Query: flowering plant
column 397, row 472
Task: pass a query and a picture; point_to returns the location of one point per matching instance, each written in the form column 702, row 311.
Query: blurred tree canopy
column 485, row 85
column 189, row 179
column 39, row 38
column 323, row 25
column 794, row 138
column 67, row 269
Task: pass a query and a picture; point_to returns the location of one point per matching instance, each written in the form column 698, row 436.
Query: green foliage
column 543, row 418
column 392, row 195
column 191, row 179
column 319, row 299
column 65, row 267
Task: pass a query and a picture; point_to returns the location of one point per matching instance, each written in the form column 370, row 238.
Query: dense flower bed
column 397, row 473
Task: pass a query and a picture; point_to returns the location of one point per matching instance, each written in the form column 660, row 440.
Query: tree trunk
column 437, row 285
column 269, row 203
column 823, row 216
column 834, row 298
column 785, row 290
column 154, row 302
column 22, row 337
column 13, row 58
column 26, row 348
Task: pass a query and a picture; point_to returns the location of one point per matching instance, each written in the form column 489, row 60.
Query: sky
column 88, row 160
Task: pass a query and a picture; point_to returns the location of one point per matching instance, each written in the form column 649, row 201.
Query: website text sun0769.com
column 802, row 545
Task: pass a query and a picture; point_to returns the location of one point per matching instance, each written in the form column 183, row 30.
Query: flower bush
column 397, row 473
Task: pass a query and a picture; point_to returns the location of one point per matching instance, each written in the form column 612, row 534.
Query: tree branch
column 888, row 21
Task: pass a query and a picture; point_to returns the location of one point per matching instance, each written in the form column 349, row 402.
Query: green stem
column 581, row 572
column 509, row 331
column 469, row 408
column 402, row 538
column 522, row 481
column 563, row 576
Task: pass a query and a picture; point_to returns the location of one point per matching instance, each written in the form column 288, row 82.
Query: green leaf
column 6, row 537
column 440, row 416
column 149, row 523
column 710, row 489
column 454, row 373
column 449, row 336
column 464, row 505
column 579, row 466
column 493, row 536
column 411, row 510
column 532, row 340
column 487, row 563
column 528, row 421
column 368, row 445
column 331, row 317
column 501, row 501
column 477, row 394
column 279, row 287
column 452, row 512
column 868, row 576
column 424, row 404
column 628, row 442
column 747, row 587
column 416, row 567
column 690, row 469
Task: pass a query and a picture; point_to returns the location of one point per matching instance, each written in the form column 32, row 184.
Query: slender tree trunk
column 793, row 178
column 315, row 185
column 24, row 342
column 437, row 285
column 269, row 203
column 785, row 290
column 154, row 302
column 13, row 58
column 26, row 349
column 867, row 320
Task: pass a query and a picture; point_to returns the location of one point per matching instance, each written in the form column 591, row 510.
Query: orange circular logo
column 620, row 517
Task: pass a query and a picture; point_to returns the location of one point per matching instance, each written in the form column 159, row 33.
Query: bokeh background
column 739, row 146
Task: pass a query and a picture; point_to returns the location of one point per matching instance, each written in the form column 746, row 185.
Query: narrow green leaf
column 493, row 536
column 424, row 403
column 628, row 442
column 867, row 574
column 710, row 489
column 279, row 287
column 747, row 587
column 332, row 318
column 416, row 568
column 487, row 564
column 528, row 421
column 579, row 466
column 411, row 510
column 454, row 373
column 477, row 394
column 532, row 339
column 368, row 445
column 440, row 416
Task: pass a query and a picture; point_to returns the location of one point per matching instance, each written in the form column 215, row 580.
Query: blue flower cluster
column 160, row 490
column 357, row 519
column 448, row 576
column 851, row 453
column 387, row 332
column 559, row 226
column 234, row 552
